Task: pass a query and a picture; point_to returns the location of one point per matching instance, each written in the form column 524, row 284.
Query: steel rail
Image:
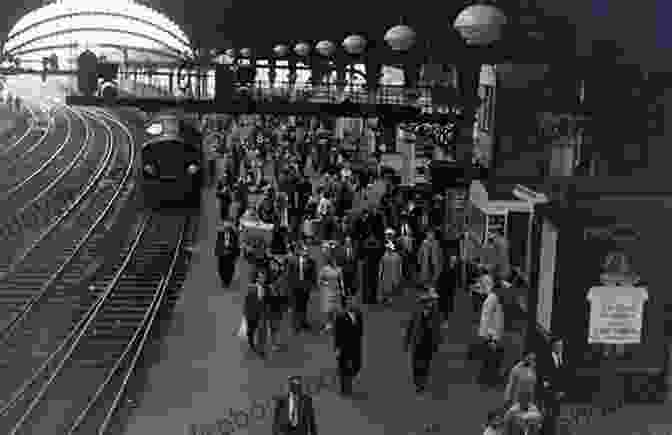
column 76, row 333
column 141, row 336
column 31, row 128
column 60, row 219
column 10, row 192
column 9, row 328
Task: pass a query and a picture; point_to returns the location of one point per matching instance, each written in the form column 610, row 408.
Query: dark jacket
column 306, row 416
column 309, row 278
column 348, row 335
column 230, row 248
column 415, row 331
column 254, row 307
column 556, row 377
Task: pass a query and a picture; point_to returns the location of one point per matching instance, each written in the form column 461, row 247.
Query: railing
column 261, row 91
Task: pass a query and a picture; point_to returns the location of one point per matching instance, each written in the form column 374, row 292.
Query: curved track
column 34, row 133
column 39, row 290
column 42, row 125
column 91, row 366
column 43, row 197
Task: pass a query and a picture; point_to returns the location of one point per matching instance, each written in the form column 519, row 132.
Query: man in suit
column 254, row 312
column 554, row 377
column 422, row 338
column 225, row 197
column 349, row 263
column 370, row 253
column 348, row 333
column 227, row 251
column 302, row 278
column 294, row 413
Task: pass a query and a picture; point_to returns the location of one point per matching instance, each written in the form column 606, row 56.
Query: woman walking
column 390, row 273
column 330, row 280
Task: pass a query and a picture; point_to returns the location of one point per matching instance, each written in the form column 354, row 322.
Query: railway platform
column 202, row 379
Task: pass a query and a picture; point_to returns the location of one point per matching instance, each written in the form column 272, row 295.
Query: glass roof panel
column 102, row 21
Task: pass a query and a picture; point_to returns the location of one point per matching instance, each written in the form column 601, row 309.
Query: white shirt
column 492, row 318
column 557, row 358
column 293, row 412
column 324, row 206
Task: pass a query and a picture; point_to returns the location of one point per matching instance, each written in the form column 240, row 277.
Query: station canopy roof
column 106, row 27
column 260, row 25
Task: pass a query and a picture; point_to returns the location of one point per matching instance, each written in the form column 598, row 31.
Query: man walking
column 423, row 336
column 348, row 334
column 294, row 413
column 227, row 250
column 302, row 278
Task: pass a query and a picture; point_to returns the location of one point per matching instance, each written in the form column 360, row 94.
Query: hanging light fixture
column 354, row 44
column 400, row 38
column 281, row 50
column 325, row 48
column 302, row 49
column 245, row 52
column 480, row 24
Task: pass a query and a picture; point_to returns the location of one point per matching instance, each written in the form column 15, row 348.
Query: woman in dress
column 330, row 280
column 390, row 272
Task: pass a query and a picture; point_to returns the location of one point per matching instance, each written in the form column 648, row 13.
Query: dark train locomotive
column 172, row 162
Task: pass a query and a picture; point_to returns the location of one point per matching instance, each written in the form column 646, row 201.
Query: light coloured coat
column 492, row 318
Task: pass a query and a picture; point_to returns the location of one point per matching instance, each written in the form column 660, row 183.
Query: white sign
column 616, row 314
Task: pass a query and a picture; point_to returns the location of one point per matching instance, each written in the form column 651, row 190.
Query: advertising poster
column 616, row 314
column 617, row 302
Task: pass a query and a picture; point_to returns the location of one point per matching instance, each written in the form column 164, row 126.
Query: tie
column 558, row 359
column 349, row 253
column 227, row 240
column 301, row 268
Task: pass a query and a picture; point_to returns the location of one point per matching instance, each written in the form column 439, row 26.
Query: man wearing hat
column 227, row 251
column 348, row 334
column 301, row 280
column 423, row 336
column 294, row 413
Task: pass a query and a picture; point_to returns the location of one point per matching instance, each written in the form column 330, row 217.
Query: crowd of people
column 306, row 218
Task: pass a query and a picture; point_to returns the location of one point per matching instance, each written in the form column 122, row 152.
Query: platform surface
column 205, row 373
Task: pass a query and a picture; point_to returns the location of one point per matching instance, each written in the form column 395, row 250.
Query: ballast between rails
column 11, row 326
column 76, row 335
column 31, row 128
column 140, row 336
column 20, row 185
column 47, row 189
column 50, row 125
column 97, row 313
column 31, row 379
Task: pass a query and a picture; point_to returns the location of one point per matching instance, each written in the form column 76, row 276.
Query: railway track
column 37, row 293
column 35, row 133
column 35, row 138
column 80, row 385
column 37, row 204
